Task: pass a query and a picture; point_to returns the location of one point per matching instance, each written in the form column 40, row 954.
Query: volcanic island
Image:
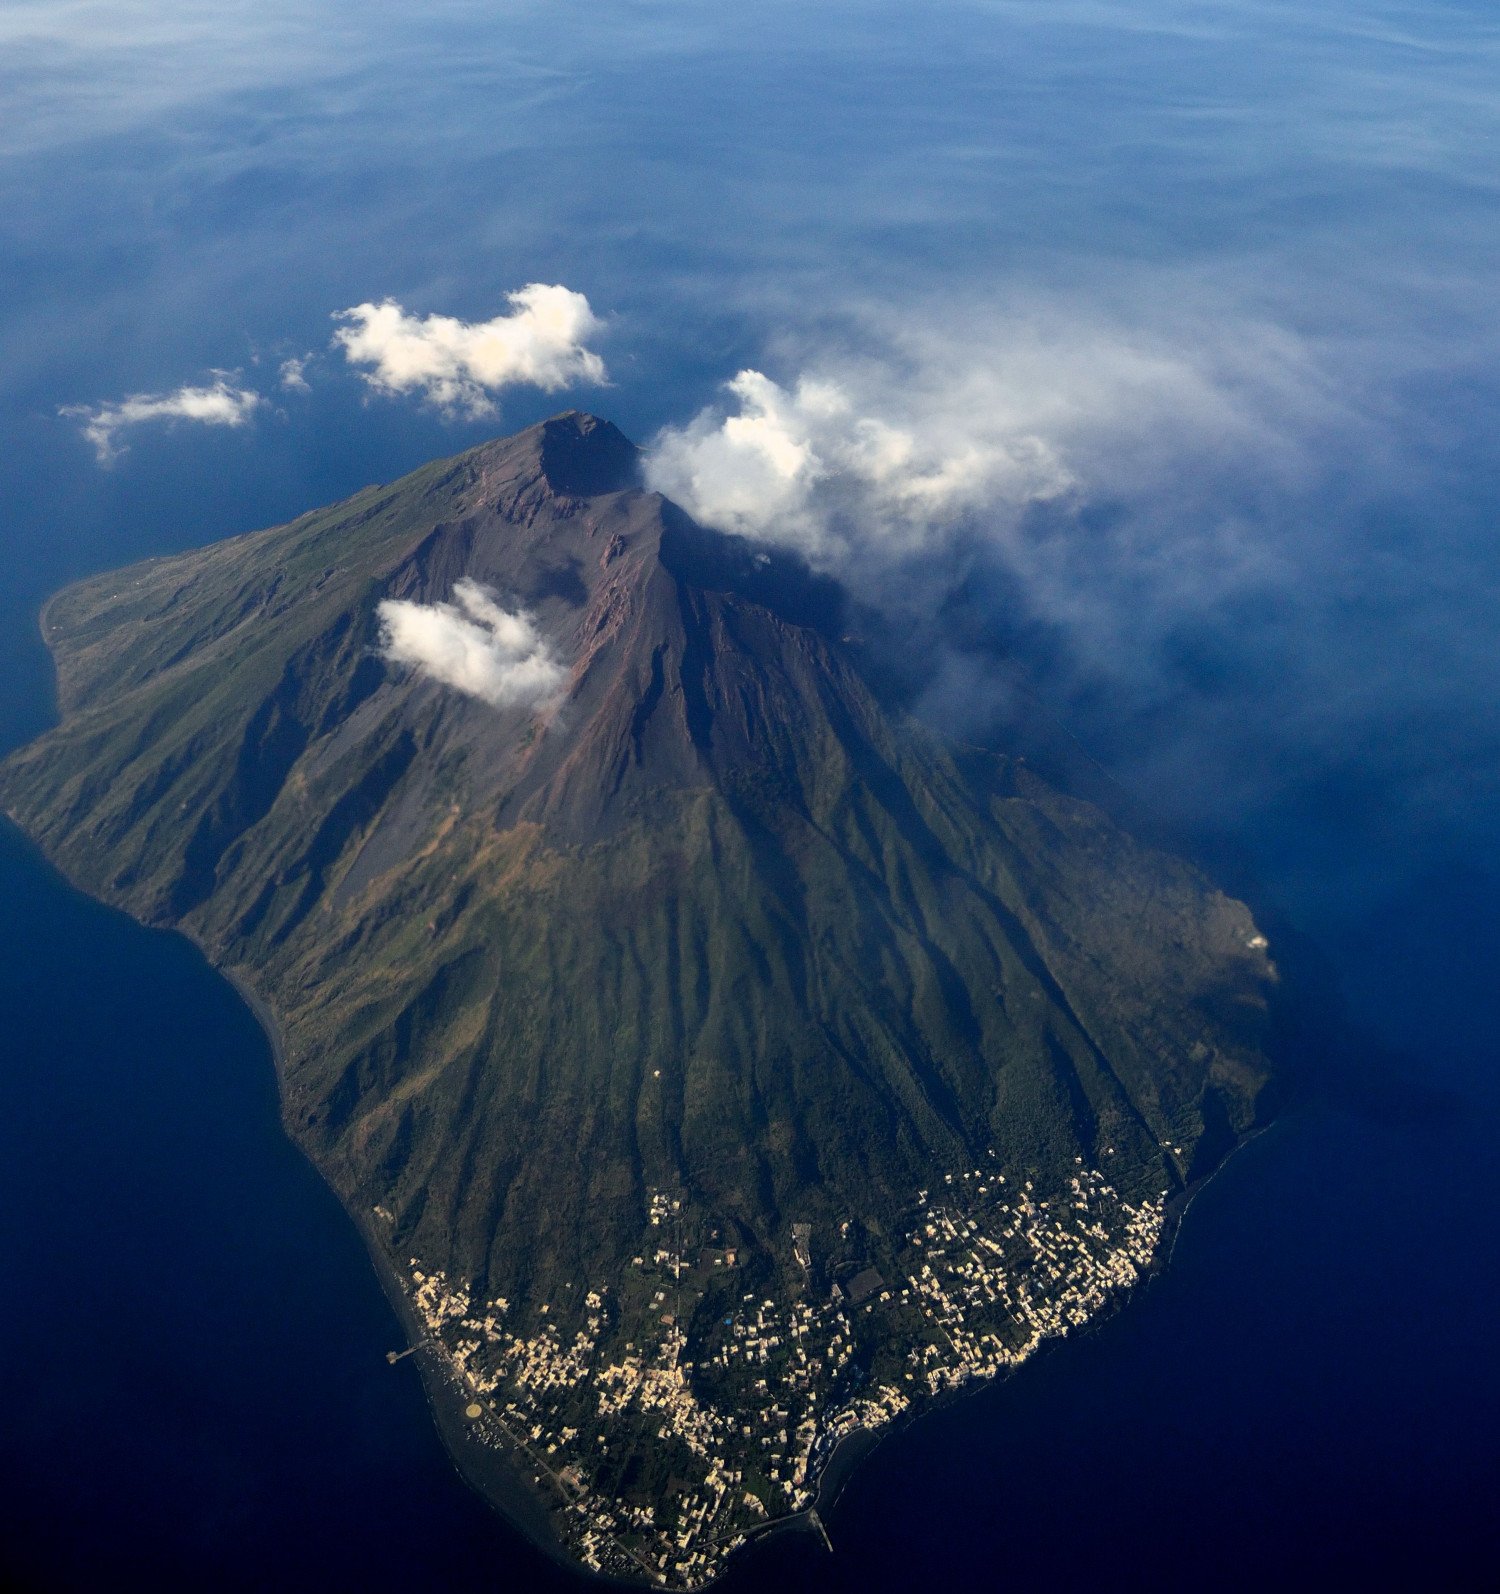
column 719, row 1062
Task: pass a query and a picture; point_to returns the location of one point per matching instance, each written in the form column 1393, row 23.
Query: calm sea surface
column 193, row 1390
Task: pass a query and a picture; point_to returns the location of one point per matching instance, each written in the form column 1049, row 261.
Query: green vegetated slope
column 721, row 924
column 717, row 924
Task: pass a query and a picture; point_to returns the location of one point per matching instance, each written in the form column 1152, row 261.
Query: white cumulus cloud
column 460, row 364
column 475, row 645
column 820, row 461
column 218, row 404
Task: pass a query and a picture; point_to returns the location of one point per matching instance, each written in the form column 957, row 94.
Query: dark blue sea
column 1231, row 267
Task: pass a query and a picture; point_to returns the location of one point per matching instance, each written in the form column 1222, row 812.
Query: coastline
column 855, row 1448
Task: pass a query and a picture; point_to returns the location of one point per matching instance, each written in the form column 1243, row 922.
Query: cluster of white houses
column 736, row 1440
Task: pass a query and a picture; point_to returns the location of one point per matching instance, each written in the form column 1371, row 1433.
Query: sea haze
column 1214, row 283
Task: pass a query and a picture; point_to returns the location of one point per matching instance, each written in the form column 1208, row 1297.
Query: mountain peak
column 583, row 455
column 576, row 454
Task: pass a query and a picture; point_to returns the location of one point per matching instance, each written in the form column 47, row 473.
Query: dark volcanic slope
column 716, row 925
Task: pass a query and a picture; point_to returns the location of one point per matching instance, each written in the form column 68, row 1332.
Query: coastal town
column 669, row 1417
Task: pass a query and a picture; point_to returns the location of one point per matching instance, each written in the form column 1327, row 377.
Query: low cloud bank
column 475, row 645
column 1100, row 479
column 941, row 435
column 220, row 404
column 459, row 365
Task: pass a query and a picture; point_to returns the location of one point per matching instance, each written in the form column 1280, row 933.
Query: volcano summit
column 717, row 1061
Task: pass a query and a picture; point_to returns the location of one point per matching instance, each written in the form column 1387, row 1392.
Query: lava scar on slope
column 721, row 1062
